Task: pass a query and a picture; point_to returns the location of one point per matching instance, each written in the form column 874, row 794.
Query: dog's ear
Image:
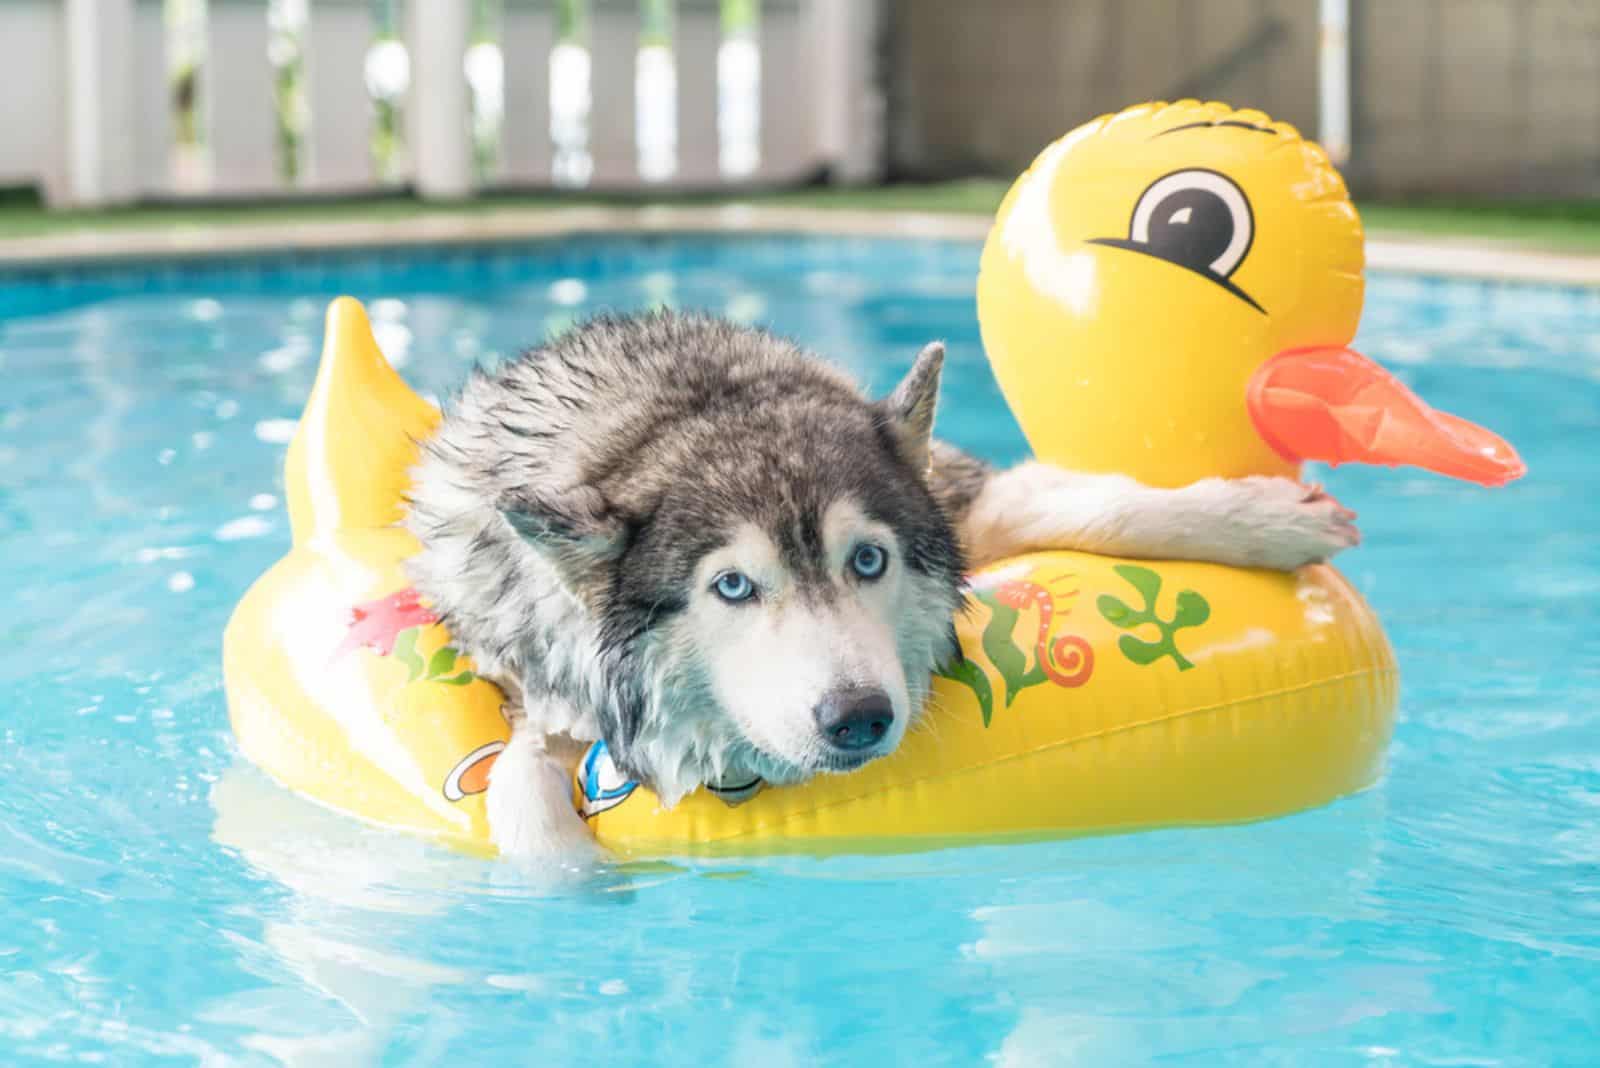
column 911, row 407
column 574, row 528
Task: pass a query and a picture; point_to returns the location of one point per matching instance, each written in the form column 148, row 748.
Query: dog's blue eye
column 869, row 561
column 734, row 586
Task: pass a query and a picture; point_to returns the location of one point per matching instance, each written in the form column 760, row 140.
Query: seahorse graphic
column 1067, row 661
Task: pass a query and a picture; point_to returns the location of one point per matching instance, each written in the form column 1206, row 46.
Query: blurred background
column 1484, row 109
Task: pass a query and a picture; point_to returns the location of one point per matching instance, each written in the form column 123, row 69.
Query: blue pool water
column 162, row 904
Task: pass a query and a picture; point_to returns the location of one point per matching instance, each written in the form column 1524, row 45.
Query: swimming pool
column 160, row 903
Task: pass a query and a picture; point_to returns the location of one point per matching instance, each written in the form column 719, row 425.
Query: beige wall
column 1451, row 96
column 1491, row 96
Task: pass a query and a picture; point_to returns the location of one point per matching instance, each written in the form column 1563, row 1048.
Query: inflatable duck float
column 1168, row 293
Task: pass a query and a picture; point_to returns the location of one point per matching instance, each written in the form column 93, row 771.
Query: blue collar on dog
column 602, row 784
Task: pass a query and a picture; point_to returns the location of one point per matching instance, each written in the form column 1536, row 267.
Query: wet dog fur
column 702, row 544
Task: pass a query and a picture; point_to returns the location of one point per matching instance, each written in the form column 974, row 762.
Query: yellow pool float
column 1097, row 695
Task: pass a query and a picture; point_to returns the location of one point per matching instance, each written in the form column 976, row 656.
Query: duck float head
column 1169, row 293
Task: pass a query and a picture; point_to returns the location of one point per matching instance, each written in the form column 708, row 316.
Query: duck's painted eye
column 1196, row 218
column 869, row 561
column 733, row 587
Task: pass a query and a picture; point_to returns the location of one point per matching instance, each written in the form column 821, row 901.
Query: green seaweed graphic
column 438, row 666
column 971, row 676
column 1191, row 611
column 1003, row 653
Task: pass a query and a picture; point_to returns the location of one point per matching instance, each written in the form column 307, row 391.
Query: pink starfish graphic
column 376, row 624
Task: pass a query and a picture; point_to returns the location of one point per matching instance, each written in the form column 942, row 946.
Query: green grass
column 1572, row 226
column 1557, row 225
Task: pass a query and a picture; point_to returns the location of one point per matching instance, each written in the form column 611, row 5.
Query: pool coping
column 1402, row 253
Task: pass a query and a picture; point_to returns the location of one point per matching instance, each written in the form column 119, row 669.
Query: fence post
column 438, row 103
column 338, row 36
column 102, row 164
column 846, row 84
column 1333, row 82
column 236, row 100
column 527, row 34
column 152, row 105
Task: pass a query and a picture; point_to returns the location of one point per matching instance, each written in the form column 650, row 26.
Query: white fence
column 90, row 117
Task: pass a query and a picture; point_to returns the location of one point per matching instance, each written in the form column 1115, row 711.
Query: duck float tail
column 349, row 461
column 340, row 683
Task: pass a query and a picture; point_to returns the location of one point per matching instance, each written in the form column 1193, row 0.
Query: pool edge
column 1391, row 252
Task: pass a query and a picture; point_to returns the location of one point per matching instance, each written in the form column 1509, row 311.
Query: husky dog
column 704, row 546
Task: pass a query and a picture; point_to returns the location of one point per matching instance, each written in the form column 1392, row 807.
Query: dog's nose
column 855, row 719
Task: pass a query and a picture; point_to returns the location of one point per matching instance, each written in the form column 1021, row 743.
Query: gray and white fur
column 704, row 545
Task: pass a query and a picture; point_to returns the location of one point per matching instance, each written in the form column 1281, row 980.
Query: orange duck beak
column 1337, row 406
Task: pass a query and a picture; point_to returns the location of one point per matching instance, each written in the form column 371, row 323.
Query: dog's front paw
column 1265, row 522
column 1286, row 525
column 529, row 805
